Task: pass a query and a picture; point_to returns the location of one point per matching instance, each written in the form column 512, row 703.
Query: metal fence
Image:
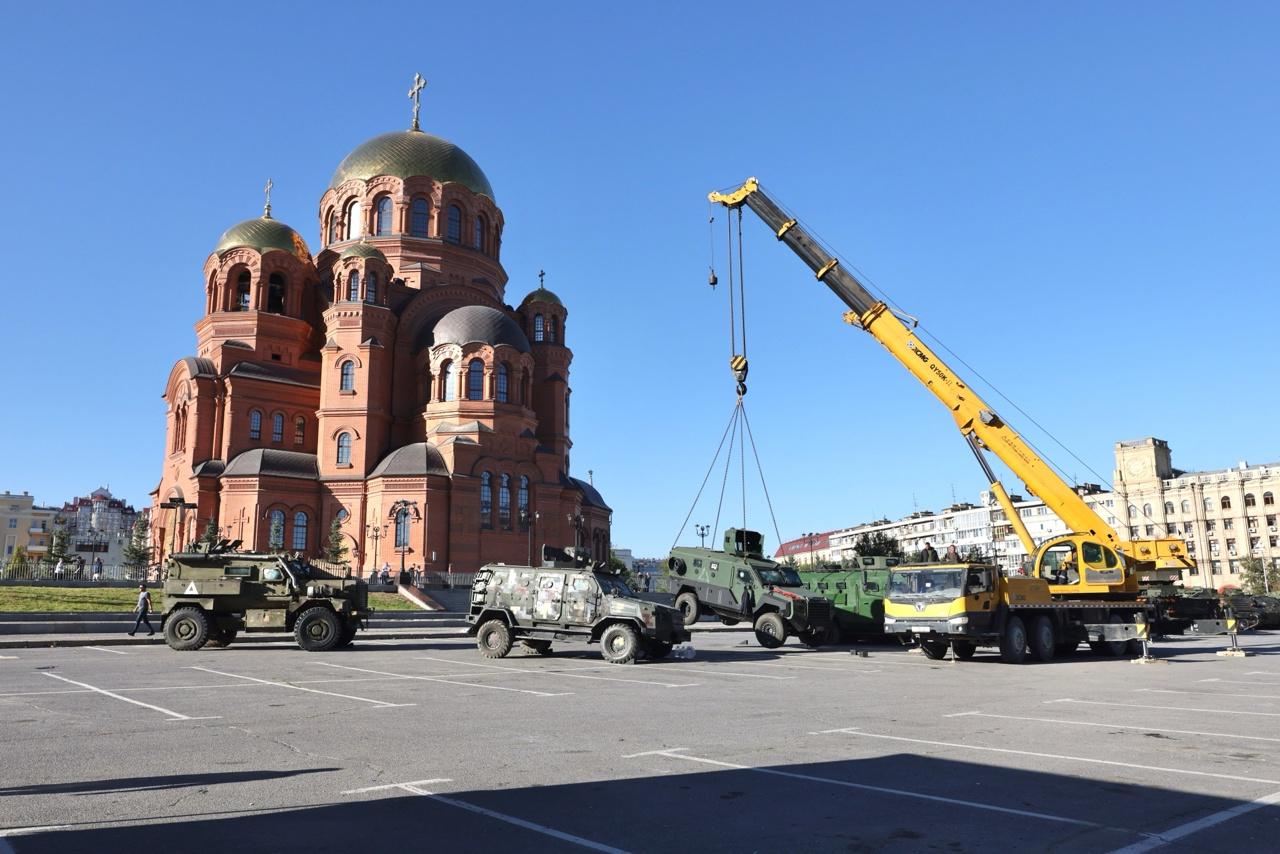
column 44, row 571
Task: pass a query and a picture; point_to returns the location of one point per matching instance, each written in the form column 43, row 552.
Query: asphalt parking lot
column 267, row 748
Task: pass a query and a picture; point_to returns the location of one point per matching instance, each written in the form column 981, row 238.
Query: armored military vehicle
column 213, row 594
column 740, row 583
column 857, row 592
column 567, row 599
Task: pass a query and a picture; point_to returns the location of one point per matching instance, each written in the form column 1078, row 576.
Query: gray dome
column 479, row 324
column 416, row 460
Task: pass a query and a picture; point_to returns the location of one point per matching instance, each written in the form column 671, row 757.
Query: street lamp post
column 529, row 520
column 812, row 555
column 576, row 520
column 374, row 532
column 702, row 530
column 400, row 512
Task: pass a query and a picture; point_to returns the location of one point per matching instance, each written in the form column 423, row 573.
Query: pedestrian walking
column 58, row 570
column 97, row 568
column 141, row 611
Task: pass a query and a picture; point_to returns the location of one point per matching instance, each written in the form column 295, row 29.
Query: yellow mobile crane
column 1082, row 586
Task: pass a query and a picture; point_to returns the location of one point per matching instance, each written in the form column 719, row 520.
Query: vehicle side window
column 1110, row 558
column 744, row 576
column 1092, row 553
column 272, row 573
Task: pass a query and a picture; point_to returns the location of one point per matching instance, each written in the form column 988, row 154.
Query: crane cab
column 1077, row 565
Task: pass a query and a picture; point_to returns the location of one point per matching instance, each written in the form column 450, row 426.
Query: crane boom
column 976, row 421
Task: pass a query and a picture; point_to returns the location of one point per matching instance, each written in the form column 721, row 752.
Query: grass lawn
column 123, row 599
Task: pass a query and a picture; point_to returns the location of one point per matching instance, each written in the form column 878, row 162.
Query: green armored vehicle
column 214, row 594
column 566, row 599
column 857, row 593
column 740, row 583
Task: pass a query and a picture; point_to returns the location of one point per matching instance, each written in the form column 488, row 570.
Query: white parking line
column 1239, row 681
column 702, row 671
column 1205, row 693
column 177, row 716
column 23, row 831
column 396, row 786
column 854, row 731
column 1165, row 708
column 561, row 671
column 445, row 681
column 1112, row 726
column 376, row 703
column 817, row 667
column 673, row 754
column 105, row 649
column 1175, row 833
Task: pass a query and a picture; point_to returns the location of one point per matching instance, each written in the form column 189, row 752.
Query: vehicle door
column 276, row 585
column 582, row 599
column 1100, row 564
column 550, row 597
column 980, row 595
column 744, row 587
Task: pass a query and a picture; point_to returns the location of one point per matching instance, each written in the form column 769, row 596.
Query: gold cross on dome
column 541, row 276
column 266, row 210
column 414, row 92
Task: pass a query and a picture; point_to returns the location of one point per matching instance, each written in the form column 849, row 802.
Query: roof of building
column 541, row 295
column 265, row 235
column 803, row 545
column 412, row 153
column 590, row 495
column 479, row 324
column 200, row 367
column 274, row 374
column 416, row 460
column 272, row 462
column 208, row 468
column 363, row 249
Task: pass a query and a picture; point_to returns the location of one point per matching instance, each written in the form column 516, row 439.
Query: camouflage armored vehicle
column 213, row 595
column 566, row 599
column 740, row 583
column 857, row 592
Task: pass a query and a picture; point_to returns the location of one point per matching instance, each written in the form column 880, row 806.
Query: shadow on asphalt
column 155, row 783
column 897, row 802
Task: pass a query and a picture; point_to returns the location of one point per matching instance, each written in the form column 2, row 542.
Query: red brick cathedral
column 384, row 382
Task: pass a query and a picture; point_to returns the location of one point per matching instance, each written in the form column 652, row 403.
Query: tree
column 211, row 534
column 275, row 537
column 17, row 563
column 137, row 553
column 1257, row 578
column 974, row 556
column 59, row 541
column 878, row 544
column 335, row 550
column 617, row 566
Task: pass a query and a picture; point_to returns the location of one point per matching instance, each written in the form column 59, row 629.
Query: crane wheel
column 1013, row 643
column 1043, row 639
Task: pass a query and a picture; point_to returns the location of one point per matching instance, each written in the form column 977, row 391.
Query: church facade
column 384, row 382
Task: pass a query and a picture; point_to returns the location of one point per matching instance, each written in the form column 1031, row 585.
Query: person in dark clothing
column 142, row 609
column 930, row 554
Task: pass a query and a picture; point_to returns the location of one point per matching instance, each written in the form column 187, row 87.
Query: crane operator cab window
column 1100, row 564
column 1060, row 565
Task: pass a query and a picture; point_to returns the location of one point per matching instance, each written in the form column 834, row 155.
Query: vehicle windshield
column 780, row 576
column 299, row 569
column 613, row 585
column 919, row 583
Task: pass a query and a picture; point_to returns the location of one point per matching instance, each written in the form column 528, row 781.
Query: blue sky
column 1079, row 199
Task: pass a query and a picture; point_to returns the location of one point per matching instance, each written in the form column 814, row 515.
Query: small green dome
column 264, row 234
column 412, row 153
column 541, row 295
column 362, row 250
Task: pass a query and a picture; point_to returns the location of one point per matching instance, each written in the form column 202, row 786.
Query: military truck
column 740, row 583
column 857, row 593
column 567, row 599
column 213, row 594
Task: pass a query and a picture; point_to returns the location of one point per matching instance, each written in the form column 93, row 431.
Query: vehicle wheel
column 348, row 634
column 1013, row 643
column 186, row 629
column 221, row 637
column 620, row 643
column 964, row 650
column 934, row 649
column 318, row 629
column 687, row 603
column 813, row 639
column 771, row 632
column 729, row 621
column 538, row 647
column 1043, row 638
column 494, row 639
column 657, row 649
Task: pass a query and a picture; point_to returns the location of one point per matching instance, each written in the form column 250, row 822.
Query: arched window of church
column 275, row 529
column 371, row 287
column 347, row 382
column 539, row 328
column 299, row 430
column 526, row 389
column 277, row 427
column 383, row 225
column 481, row 227
column 500, row 393
column 486, row 500
column 454, row 233
column 344, row 449
column 242, row 291
column 566, row 412
column 475, row 380
column 419, row 218
column 402, row 528
column 355, row 228
column 448, row 382
column 504, row 501
column 255, row 424
column 551, row 329
column 331, row 227
column 353, row 286
column 275, row 294
column 522, row 500
column 299, row 531
column 1226, row 502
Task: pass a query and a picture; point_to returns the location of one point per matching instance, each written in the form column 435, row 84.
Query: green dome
column 411, row 153
column 264, row 234
column 362, row 250
column 542, row 295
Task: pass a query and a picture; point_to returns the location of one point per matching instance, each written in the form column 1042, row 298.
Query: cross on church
column 266, row 211
column 541, row 276
column 418, row 83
